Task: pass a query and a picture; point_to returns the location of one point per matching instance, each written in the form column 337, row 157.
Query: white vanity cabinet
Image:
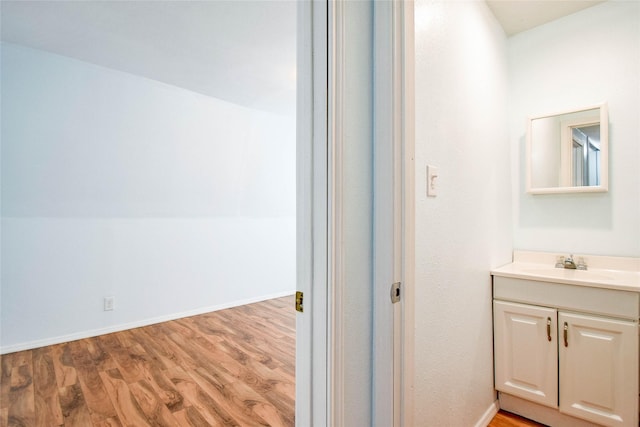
column 526, row 355
column 598, row 367
column 570, row 349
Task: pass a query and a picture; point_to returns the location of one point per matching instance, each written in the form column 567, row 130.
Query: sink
column 589, row 275
column 605, row 272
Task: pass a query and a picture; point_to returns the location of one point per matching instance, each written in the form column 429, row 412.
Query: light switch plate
column 432, row 180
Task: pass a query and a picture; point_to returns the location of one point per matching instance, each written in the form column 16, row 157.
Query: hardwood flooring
column 506, row 419
column 230, row 367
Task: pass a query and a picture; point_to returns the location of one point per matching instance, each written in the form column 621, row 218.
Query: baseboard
column 539, row 413
column 145, row 322
column 488, row 415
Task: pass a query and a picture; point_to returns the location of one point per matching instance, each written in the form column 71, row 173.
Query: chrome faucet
column 568, row 263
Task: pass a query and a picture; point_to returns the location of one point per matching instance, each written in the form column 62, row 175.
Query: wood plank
column 507, row 419
column 22, row 358
column 182, row 358
column 272, row 352
column 73, row 406
column 196, row 397
column 21, row 401
column 246, row 369
column 101, row 358
column 278, row 323
column 168, row 394
column 181, row 327
column 157, row 413
column 150, row 340
column 262, row 347
column 47, row 401
column 108, row 422
column 125, row 361
column 272, row 410
column 129, row 411
column 4, row 417
column 94, row 392
column 127, row 338
column 221, row 393
column 63, row 365
column 6, row 365
column 182, row 382
column 144, row 358
column 229, row 356
column 261, row 329
column 190, row 417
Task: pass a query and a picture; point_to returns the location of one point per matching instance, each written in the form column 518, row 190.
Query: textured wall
column 583, row 59
column 461, row 93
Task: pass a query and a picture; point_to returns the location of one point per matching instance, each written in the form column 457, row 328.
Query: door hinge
column 299, row 301
column 395, row 292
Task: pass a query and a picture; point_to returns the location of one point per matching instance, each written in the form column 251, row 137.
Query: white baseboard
column 488, row 415
column 145, row 322
column 540, row 413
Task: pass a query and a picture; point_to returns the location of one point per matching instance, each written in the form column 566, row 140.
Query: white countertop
column 603, row 272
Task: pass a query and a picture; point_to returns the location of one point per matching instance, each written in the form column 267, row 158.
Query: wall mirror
column 567, row 152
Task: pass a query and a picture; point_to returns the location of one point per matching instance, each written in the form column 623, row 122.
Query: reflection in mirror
column 567, row 152
column 585, row 156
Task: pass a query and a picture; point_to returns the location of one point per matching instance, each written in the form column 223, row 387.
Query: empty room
column 148, row 213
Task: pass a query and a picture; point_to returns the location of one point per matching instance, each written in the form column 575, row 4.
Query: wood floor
column 505, row 419
column 229, row 367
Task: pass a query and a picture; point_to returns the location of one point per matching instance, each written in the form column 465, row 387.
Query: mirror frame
column 604, row 154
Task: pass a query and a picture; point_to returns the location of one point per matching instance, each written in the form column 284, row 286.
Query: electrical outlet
column 108, row 303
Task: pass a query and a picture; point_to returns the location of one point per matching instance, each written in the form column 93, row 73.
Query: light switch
column 432, row 181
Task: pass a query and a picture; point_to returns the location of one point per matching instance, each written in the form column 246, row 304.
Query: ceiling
column 239, row 51
column 516, row 16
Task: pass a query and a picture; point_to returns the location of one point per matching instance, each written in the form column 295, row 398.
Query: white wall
column 461, row 94
column 582, row 59
column 117, row 185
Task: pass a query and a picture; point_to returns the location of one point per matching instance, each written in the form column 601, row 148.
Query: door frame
column 387, row 213
column 394, row 212
column 406, row 33
column 312, row 349
column 320, row 361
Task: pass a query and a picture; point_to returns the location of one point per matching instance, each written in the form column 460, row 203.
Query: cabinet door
column 526, row 352
column 599, row 369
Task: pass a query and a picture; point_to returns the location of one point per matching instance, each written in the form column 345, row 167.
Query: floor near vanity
column 167, row 374
column 507, row 419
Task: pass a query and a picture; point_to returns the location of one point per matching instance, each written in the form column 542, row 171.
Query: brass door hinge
column 299, row 301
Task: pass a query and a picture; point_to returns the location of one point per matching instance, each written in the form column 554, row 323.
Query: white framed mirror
column 568, row 152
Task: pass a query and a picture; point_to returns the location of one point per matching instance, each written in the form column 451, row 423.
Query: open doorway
column 148, row 163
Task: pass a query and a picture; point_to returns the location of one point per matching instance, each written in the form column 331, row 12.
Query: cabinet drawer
column 608, row 302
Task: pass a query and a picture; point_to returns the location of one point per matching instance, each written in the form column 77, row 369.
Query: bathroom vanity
column 566, row 346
